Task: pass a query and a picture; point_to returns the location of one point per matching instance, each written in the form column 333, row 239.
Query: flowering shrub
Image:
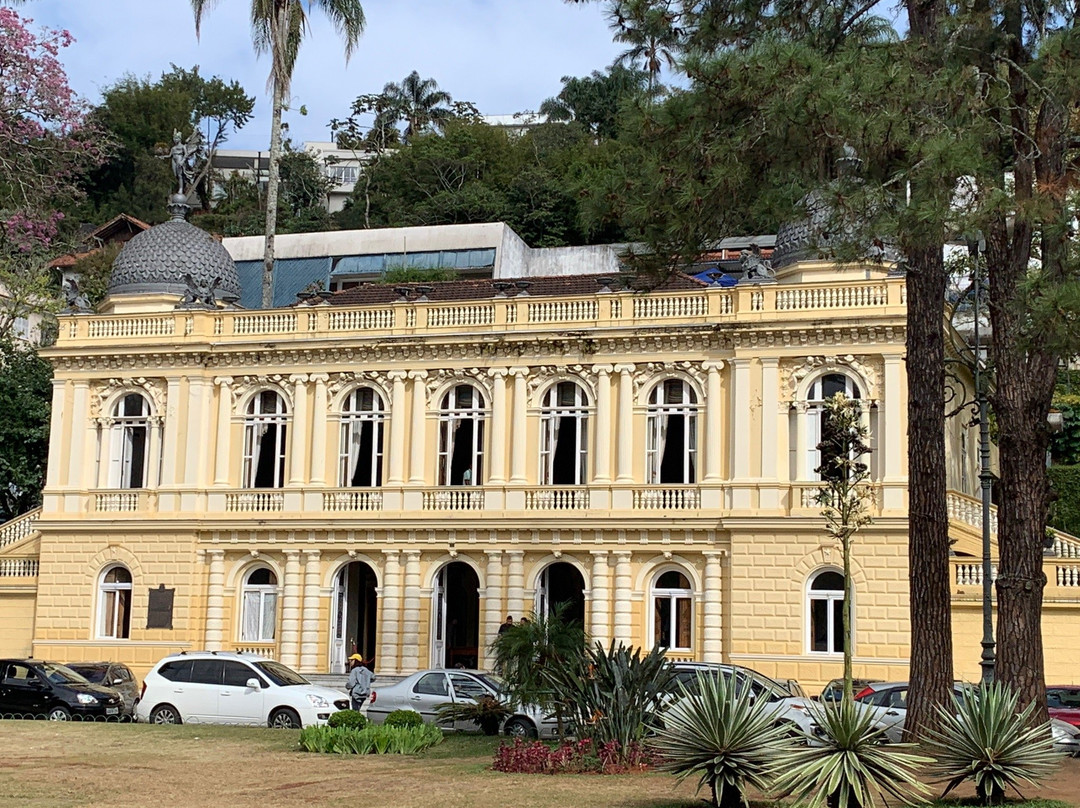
column 571, row 757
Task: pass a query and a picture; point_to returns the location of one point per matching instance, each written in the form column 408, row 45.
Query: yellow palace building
column 393, row 470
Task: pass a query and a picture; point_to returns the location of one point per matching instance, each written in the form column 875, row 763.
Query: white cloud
column 503, row 55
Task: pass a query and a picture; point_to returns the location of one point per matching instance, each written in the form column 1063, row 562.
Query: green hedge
column 371, row 740
column 404, row 718
column 347, row 718
column 1065, row 510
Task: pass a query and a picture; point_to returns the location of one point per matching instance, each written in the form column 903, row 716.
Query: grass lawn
column 49, row 765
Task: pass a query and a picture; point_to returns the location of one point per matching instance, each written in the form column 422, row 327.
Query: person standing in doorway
column 509, row 624
column 360, row 678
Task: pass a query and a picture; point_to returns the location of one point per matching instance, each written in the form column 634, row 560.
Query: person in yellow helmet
column 360, row 679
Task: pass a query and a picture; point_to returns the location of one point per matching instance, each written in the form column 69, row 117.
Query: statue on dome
column 183, row 157
column 199, row 296
column 756, row 267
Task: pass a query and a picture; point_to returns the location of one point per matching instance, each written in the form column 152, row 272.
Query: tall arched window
column 461, row 436
column 671, row 448
column 820, row 391
column 362, row 418
column 264, row 441
column 825, row 607
column 673, row 611
column 114, row 604
column 259, row 615
column 564, row 437
column 129, row 442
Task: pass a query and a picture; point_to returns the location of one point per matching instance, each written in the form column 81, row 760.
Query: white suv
column 225, row 688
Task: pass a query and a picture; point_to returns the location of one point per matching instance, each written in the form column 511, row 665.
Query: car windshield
column 281, row 675
column 94, row 673
column 62, row 675
column 492, row 681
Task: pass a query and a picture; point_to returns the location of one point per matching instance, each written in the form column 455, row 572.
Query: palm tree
column 420, row 103
column 277, row 27
column 651, row 31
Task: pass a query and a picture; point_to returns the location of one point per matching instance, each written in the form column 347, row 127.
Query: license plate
column 112, row 710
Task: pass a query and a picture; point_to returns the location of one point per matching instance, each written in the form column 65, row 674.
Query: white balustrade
column 563, row 311
column 556, row 499
column 264, row 650
column 968, row 510
column 652, row 307
column 254, row 501
column 18, row 567
column 1068, row 576
column 453, row 499
column 361, row 319
column 666, row 499
column 465, row 315
column 971, row 574
column 116, row 501
column 831, row 297
column 19, row 527
column 342, row 501
column 132, row 327
column 265, row 323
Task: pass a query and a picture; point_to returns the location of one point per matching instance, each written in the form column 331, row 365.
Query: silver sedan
column 425, row 691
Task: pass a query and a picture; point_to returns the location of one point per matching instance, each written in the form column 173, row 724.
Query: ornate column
column 770, row 403
column 170, row 446
column 224, row 430
column 802, row 436
column 714, row 605
column 396, row 449
column 515, row 584
column 215, row 600
column 602, row 465
column 320, row 425
column 410, row 617
column 519, row 446
column 309, row 630
column 599, row 620
column 299, row 426
column 417, row 458
column 497, row 457
column 290, row 610
column 389, row 605
column 625, row 431
column 493, row 591
column 713, row 430
column 623, row 585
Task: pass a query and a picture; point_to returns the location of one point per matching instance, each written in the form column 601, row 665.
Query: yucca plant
column 853, row 767
column 989, row 741
column 724, row 737
column 486, row 712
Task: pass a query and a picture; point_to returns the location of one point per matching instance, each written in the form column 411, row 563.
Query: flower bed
column 377, row 740
column 581, row 757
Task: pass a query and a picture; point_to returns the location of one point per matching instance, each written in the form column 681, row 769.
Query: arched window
column 820, row 391
column 671, row 447
column 362, row 418
column 259, row 615
column 114, row 604
column 264, row 441
column 461, row 436
column 673, row 612
column 564, row 422
column 129, row 442
column 825, row 607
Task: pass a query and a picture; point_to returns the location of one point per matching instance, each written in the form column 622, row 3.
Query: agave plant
column 853, row 767
column 992, row 743
column 720, row 734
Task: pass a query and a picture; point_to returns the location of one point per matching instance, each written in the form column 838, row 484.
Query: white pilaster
column 740, row 420
column 290, row 610
column 515, row 584
column 493, row 593
column 389, row 606
column 418, row 428
column 198, row 414
column 602, row 464
column 215, row 600
column 623, row 584
column 80, row 464
column 714, row 605
column 320, row 425
column 624, row 436
column 600, row 618
column 309, row 629
column 299, row 429
column 410, row 617
column 396, row 449
column 56, row 424
column 224, row 430
column 770, row 392
column 497, row 462
column 521, row 408
column 170, row 447
column 713, row 430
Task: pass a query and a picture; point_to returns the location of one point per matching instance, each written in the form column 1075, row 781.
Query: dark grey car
column 116, row 675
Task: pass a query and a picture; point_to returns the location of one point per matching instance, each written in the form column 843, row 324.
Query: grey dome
column 156, row 261
column 804, row 239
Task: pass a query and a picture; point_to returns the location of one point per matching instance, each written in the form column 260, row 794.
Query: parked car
column 226, row 688
column 835, row 689
column 116, row 675
column 424, row 691
column 32, row 688
column 888, row 701
column 1063, row 702
column 788, row 709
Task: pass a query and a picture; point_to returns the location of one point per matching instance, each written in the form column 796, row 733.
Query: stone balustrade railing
column 18, row 567
column 266, row 650
column 18, row 528
column 607, row 310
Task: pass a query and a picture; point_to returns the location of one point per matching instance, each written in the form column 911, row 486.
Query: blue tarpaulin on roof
column 723, row 280
column 291, row 275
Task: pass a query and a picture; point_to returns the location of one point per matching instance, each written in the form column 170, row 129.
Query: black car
column 116, row 675
column 31, row 688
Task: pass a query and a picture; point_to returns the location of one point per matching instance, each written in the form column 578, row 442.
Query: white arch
column 236, row 574
column 108, row 405
column 533, row 581
column 440, row 390
column 337, row 564
column 537, row 401
column 829, row 368
column 338, row 400
column 245, row 398
column 658, row 565
column 659, row 377
column 438, row 563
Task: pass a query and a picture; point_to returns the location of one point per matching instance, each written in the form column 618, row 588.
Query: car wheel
column 285, row 718
column 520, row 728
column 59, row 713
column 165, row 714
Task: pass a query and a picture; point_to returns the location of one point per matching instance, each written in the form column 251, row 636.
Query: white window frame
column 110, row 596
column 657, row 414
column 673, row 595
column 551, row 417
column 258, row 596
column 815, row 411
column 835, row 603
column 450, row 414
column 122, row 432
column 353, row 417
column 256, row 422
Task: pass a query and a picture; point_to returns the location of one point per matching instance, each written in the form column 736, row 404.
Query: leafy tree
column 420, row 104
column 595, row 101
column 278, row 26
column 25, row 395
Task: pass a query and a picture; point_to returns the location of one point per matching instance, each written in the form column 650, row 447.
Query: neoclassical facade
column 393, row 471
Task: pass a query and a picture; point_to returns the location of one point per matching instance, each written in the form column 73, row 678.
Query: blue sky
column 503, row 55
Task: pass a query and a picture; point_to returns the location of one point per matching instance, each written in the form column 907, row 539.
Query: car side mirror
column 253, row 684
column 37, row 684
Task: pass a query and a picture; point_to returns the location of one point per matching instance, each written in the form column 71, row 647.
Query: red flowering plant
column 571, row 757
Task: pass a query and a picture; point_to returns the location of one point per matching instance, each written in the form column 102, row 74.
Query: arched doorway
column 561, row 584
column 455, row 617
column 354, row 615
